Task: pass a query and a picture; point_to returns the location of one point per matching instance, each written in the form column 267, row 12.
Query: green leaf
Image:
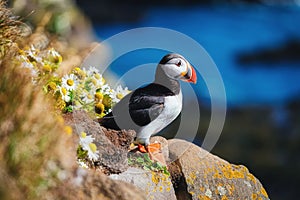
column 81, row 154
column 166, row 172
column 140, row 160
column 68, row 108
column 147, row 158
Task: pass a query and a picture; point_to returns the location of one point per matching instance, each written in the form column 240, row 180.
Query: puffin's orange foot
column 154, row 148
column 154, row 151
column 142, row 148
column 151, row 148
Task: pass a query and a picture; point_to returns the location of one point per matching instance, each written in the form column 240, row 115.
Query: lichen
column 190, row 180
column 161, row 182
column 221, row 190
column 224, row 197
column 248, row 184
column 254, row 196
column 230, row 188
column 155, row 178
column 208, row 193
column 203, row 197
column 263, row 192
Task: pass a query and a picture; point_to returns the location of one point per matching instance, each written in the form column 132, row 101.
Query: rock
column 154, row 184
column 88, row 184
column 113, row 157
column 120, row 138
column 197, row 174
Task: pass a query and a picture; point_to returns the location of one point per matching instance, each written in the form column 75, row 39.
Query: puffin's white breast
column 172, row 108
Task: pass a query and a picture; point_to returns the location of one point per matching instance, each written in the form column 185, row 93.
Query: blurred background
column 256, row 47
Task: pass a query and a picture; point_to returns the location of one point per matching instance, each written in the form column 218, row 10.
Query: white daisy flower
column 64, row 94
column 93, row 153
column 86, row 142
column 25, row 63
column 105, row 89
column 92, row 70
column 87, row 97
column 33, row 54
column 119, row 93
column 97, row 80
column 69, row 82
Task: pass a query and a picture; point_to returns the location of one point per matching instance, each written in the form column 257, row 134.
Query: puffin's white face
column 175, row 67
column 179, row 68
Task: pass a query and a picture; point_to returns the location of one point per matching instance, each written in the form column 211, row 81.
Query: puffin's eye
column 178, row 64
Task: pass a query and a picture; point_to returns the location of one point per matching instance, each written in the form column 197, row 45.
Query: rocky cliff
column 194, row 172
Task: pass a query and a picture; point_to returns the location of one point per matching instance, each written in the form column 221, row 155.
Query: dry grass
column 32, row 136
column 37, row 157
column 10, row 29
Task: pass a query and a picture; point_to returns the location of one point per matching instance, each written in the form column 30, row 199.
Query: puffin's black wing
column 142, row 106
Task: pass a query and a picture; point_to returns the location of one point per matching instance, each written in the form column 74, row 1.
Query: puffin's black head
column 175, row 66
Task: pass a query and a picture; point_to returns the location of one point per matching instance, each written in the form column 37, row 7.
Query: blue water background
column 224, row 32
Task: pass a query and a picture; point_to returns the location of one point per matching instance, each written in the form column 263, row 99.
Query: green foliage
column 81, row 154
column 144, row 161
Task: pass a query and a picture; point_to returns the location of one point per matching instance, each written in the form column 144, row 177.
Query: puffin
column 151, row 108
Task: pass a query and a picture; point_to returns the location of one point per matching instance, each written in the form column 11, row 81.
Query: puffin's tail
column 108, row 121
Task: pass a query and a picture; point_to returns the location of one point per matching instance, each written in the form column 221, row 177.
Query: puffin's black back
column 143, row 105
column 138, row 108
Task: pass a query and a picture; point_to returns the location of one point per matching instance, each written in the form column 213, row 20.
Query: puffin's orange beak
column 189, row 75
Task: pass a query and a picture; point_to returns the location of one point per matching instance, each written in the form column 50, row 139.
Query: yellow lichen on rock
column 203, row 197
column 191, row 177
column 263, row 192
column 210, row 177
column 155, row 177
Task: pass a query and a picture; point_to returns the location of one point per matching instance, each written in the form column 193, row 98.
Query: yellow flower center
column 52, row 86
column 93, row 147
column 106, row 101
column 77, row 70
column 47, row 68
column 64, row 91
column 83, row 134
column 101, row 107
column 120, row 96
column 70, row 82
column 55, row 57
column 99, row 96
column 60, row 104
column 97, row 76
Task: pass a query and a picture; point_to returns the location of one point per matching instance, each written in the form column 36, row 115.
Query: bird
column 151, row 108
